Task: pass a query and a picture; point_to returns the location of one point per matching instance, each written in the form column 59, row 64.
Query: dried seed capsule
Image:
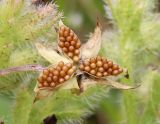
column 99, row 63
column 101, row 69
column 81, row 67
column 93, row 65
column 69, row 38
column 62, row 39
column 73, row 43
column 61, row 44
column 62, row 73
column 45, row 71
column 65, row 49
column 52, row 84
column 76, row 59
column 66, row 44
column 71, row 48
column 61, row 80
column 87, row 68
column 105, row 66
column 93, row 72
column 99, row 74
column 66, row 77
column 49, row 79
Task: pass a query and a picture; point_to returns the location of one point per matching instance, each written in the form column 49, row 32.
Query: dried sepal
column 92, row 46
column 50, row 55
column 68, row 42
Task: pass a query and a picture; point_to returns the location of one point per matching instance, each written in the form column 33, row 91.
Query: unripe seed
column 75, row 58
column 99, row 63
column 69, row 38
column 52, row 84
column 62, row 39
column 66, row 77
column 71, row 48
column 99, row 74
column 62, row 73
column 61, row 80
column 87, row 68
column 93, row 65
column 101, row 69
column 65, row 49
column 61, row 44
column 93, row 72
column 66, row 44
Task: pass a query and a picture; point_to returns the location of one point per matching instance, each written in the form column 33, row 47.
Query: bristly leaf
column 92, row 46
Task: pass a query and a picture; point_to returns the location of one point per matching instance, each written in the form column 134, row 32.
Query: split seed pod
column 100, row 67
column 69, row 43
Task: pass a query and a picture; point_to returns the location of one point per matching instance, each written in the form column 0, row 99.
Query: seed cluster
column 54, row 76
column 100, row 67
column 69, row 43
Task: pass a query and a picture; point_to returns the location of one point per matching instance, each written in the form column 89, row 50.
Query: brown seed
column 56, row 72
column 58, row 68
column 60, row 33
column 61, row 64
column 71, row 48
column 76, row 59
column 66, row 44
column 93, row 72
column 87, row 68
column 99, row 63
column 105, row 66
column 98, row 58
column 78, row 45
column 101, row 69
column 45, row 71
column 110, row 63
column 115, row 72
column 109, row 70
column 69, row 38
column 49, row 79
column 71, row 33
column 44, row 77
column 70, row 71
column 76, row 52
column 62, row 73
column 62, row 39
column 81, row 67
column 86, row 63
column 66, row 33
column 51, row 69
column 40, row 79
column 65, row 68
column 75, row 38
column 115, row 67
column 61, row 80
column 74, row 68
column 73, row 43
column 70, row 54
column 61, row 44
column 52, row 84
column 39, row 85
column 120, row 70
column 66, row 77
column 55, row 78
column 65, row 49
column 93, row 65
column 69, row 65
column 105, row 74
column 92, row 60
column 99, row 74
column 45, row 84
column 50, row 75
column 62, row 28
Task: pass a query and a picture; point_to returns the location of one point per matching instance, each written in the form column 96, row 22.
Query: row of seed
column 100, row 67
column 53, row 76
column 69, row 43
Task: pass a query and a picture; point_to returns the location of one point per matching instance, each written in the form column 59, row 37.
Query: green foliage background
column 130, row 38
